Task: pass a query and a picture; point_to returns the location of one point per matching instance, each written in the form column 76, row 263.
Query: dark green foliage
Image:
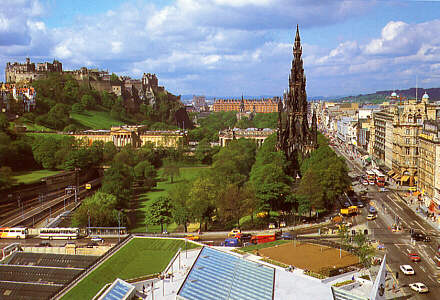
column 100, row 208
column 210, row 126
column 6, row 179
column 260, row 120
column 78, row 108
column 117, row 181
column 179, row 195
column 204, row 152
column 145, row 172
column 57, row 117
column 171, row 170
column 159, row 212
column 233, row 163
column 325, row 177
column 269, row 180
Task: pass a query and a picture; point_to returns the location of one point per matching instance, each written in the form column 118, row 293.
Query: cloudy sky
column 230, row 47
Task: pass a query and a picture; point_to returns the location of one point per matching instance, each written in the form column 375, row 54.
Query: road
column 399, row 244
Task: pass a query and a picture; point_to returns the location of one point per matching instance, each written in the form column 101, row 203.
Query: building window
column 407, row 140
column 407, row 150
column 408, row 131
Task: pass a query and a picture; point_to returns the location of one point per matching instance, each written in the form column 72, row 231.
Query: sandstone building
column 259, row 106
column 256, row 134
column 136, row 135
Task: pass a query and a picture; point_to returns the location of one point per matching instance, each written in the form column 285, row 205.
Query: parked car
column 97, row 239
column 371, row 217
column 359, row 204
column 383, row 189
column 234, row 232
column 286, row 236
column 44, row 244
column 414, row 256
column 418, row 236
column 192, row 237
column 419, row 287
column 407, row 269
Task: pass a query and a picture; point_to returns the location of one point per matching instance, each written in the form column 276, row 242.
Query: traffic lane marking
column 420, row 225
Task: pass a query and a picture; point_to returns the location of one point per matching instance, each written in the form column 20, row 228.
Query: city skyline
column 225, row 47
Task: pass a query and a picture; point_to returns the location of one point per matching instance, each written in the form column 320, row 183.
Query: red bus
column 263, row 238
column 371, row 177
column 380, row 178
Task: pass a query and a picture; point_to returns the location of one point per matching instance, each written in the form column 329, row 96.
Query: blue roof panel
column 217, row 275
column 117, row 292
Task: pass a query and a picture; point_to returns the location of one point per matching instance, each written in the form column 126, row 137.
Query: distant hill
column 379, row 96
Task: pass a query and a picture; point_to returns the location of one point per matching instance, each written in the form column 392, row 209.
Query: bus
column 13, row 232
column 59, row 233
column 371, row 177
column 380, row 178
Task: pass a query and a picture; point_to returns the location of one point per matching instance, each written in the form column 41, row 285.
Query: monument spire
column 294, row 133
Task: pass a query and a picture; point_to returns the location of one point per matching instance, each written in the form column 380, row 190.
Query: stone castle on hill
column 295, row 137
column 133, row 91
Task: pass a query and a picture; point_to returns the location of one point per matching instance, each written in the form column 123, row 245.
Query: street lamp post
column 119, row 226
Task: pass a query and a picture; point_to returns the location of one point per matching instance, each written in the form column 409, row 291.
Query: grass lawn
column 95, row 119
column 162, row 188
column 54, row 135
column 140, row 257
column 265, row 245
column 35, row 127
column 33, row 176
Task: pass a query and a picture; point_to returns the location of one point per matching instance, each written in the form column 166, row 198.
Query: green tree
column 364, row 250
column 202, row 199
column 145, row 171
column 6, row 179
column 231, row 203
column 117, row 181
column 114, row 77
column 179, row 195
column 310, row 187
column 87, row 101
column 4, row 123
column 109, row 151
column 233, row 163
column 204, row 152
column 100, row 209
column 159, row 212
column 77, row 108
column 171, row 170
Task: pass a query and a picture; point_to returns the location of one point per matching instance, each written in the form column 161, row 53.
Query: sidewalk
column 414, row 206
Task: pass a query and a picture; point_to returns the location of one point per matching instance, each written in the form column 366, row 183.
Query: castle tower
column 294, row 135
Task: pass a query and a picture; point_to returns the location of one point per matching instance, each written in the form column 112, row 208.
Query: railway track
column 40, row 211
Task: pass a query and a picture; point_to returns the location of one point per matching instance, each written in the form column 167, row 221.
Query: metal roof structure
column 119, row 290
column 218, row 275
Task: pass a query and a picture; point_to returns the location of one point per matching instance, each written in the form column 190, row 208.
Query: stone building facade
column 27, row 72
column 381, row 146
column 259, row 106
column 258, row 135
column 135, row 135
column 407, row 124
column 428, row 171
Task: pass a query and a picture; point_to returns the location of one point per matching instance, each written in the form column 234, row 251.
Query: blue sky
column 231, row 47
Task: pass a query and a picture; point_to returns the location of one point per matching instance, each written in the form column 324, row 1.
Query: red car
column 414, row 257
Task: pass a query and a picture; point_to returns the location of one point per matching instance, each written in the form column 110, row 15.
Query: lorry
column 263, row 238
column 351, row 210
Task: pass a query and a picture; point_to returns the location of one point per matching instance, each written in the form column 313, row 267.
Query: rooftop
column 218, row 275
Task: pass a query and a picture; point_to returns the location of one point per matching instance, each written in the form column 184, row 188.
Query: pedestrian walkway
column 412, row 203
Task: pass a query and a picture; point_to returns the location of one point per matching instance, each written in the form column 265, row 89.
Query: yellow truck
column 352, row 210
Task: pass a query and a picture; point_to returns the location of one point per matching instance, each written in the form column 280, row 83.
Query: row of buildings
column 17, row 99
column 399, row 136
